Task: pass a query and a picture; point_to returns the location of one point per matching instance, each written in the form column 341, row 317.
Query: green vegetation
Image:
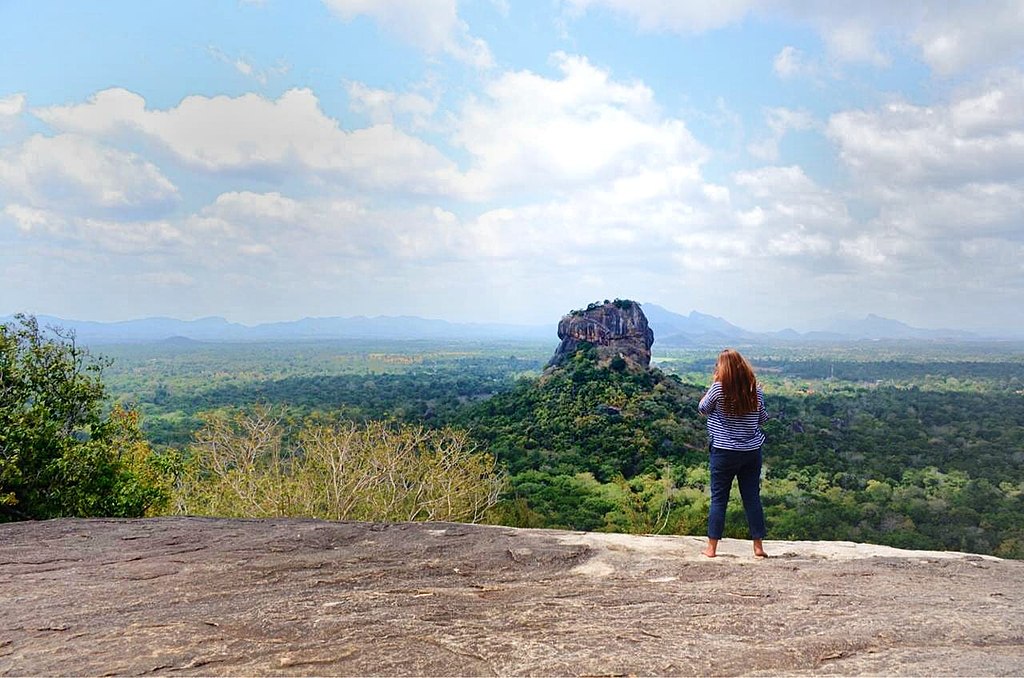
column 60, row 454
column 173, row 383
column 624, row 304
column 918, row 452
column 918, row 446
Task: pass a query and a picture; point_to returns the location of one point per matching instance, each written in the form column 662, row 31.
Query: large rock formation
column 617, row 330
column 193, row 596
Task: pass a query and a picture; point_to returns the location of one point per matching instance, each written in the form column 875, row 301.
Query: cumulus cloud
column 527, row 132
column 669, row 15
column 12, row 105
column 979, row 137
column 33, row 220
column 944, row 184
column 951, row 36
column 96, row 235
column 848, row 29
column 79, row 175
column 789, row 215
column 388, row 108
column 14, row 124
column 430, row 25
column 956, row 36
column 591, row 225
column 791, row 62
column 246, row 223
column 132, row 237
column 780, row 121
column 965, row 211
column 255, row 134
column 853, row 40
column 309, row 232
column 784, row 183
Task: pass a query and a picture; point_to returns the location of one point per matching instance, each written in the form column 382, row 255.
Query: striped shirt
column 732, row 432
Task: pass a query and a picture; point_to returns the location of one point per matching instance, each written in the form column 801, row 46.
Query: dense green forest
column 918, row 446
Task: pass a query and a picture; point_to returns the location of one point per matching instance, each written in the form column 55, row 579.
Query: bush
column 242, row 465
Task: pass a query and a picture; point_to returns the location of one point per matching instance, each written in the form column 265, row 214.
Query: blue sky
column 777, row 163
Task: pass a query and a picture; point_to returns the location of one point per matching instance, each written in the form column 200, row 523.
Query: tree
column 251, row 464
column 60, row 454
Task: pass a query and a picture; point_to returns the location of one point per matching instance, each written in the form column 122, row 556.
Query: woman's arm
column 710, row 399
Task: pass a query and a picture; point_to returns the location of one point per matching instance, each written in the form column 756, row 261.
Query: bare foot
column 708, row 552
column 759, row 549
column 711, row 549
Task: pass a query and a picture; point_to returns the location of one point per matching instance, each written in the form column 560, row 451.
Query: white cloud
column 167, row 279
column 978, row 138
column 430, row 25
column 246, row 67
column 247, row 223
column 968, row 210
column 527, row 132
column 944, row 184
column 252, row 133
column 848, row 28
column 791, row 62
column 951, row 36
column 776, row 182
column 385, row 107
column 12, row 105
column 780, row 121
column 853, row 40
column 865, row 248
column 709, row 251
column 78, row 175
column 33, row 220
column 258, row 212
column 132, row 237
column 88, row 235
column 305, row 234
column 798, row 241
column 693, row 16
column 956, row 36
column 792, row 216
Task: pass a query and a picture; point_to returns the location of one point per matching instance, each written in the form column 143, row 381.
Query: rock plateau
column 616, row 329
column 189, row 596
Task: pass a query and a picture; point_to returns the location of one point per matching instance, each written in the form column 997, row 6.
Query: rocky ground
column 190, row 596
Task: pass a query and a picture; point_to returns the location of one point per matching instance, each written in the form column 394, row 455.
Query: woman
column 734, row 406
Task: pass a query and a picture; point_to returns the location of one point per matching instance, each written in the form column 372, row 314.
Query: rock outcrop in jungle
column 616, row 330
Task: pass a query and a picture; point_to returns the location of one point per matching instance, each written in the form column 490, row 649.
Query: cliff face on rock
column 616, row 330
column 190, row 596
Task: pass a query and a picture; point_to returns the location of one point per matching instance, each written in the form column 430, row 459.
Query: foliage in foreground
column 60, row 455
column 251, row 464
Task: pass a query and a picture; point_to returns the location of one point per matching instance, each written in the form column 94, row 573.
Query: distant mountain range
column 699, row 329
column 216, row 329
column 670, row 330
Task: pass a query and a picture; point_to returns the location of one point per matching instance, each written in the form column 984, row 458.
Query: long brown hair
column 739, row 385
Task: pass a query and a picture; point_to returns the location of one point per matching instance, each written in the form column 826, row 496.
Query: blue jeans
column 745, row 466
